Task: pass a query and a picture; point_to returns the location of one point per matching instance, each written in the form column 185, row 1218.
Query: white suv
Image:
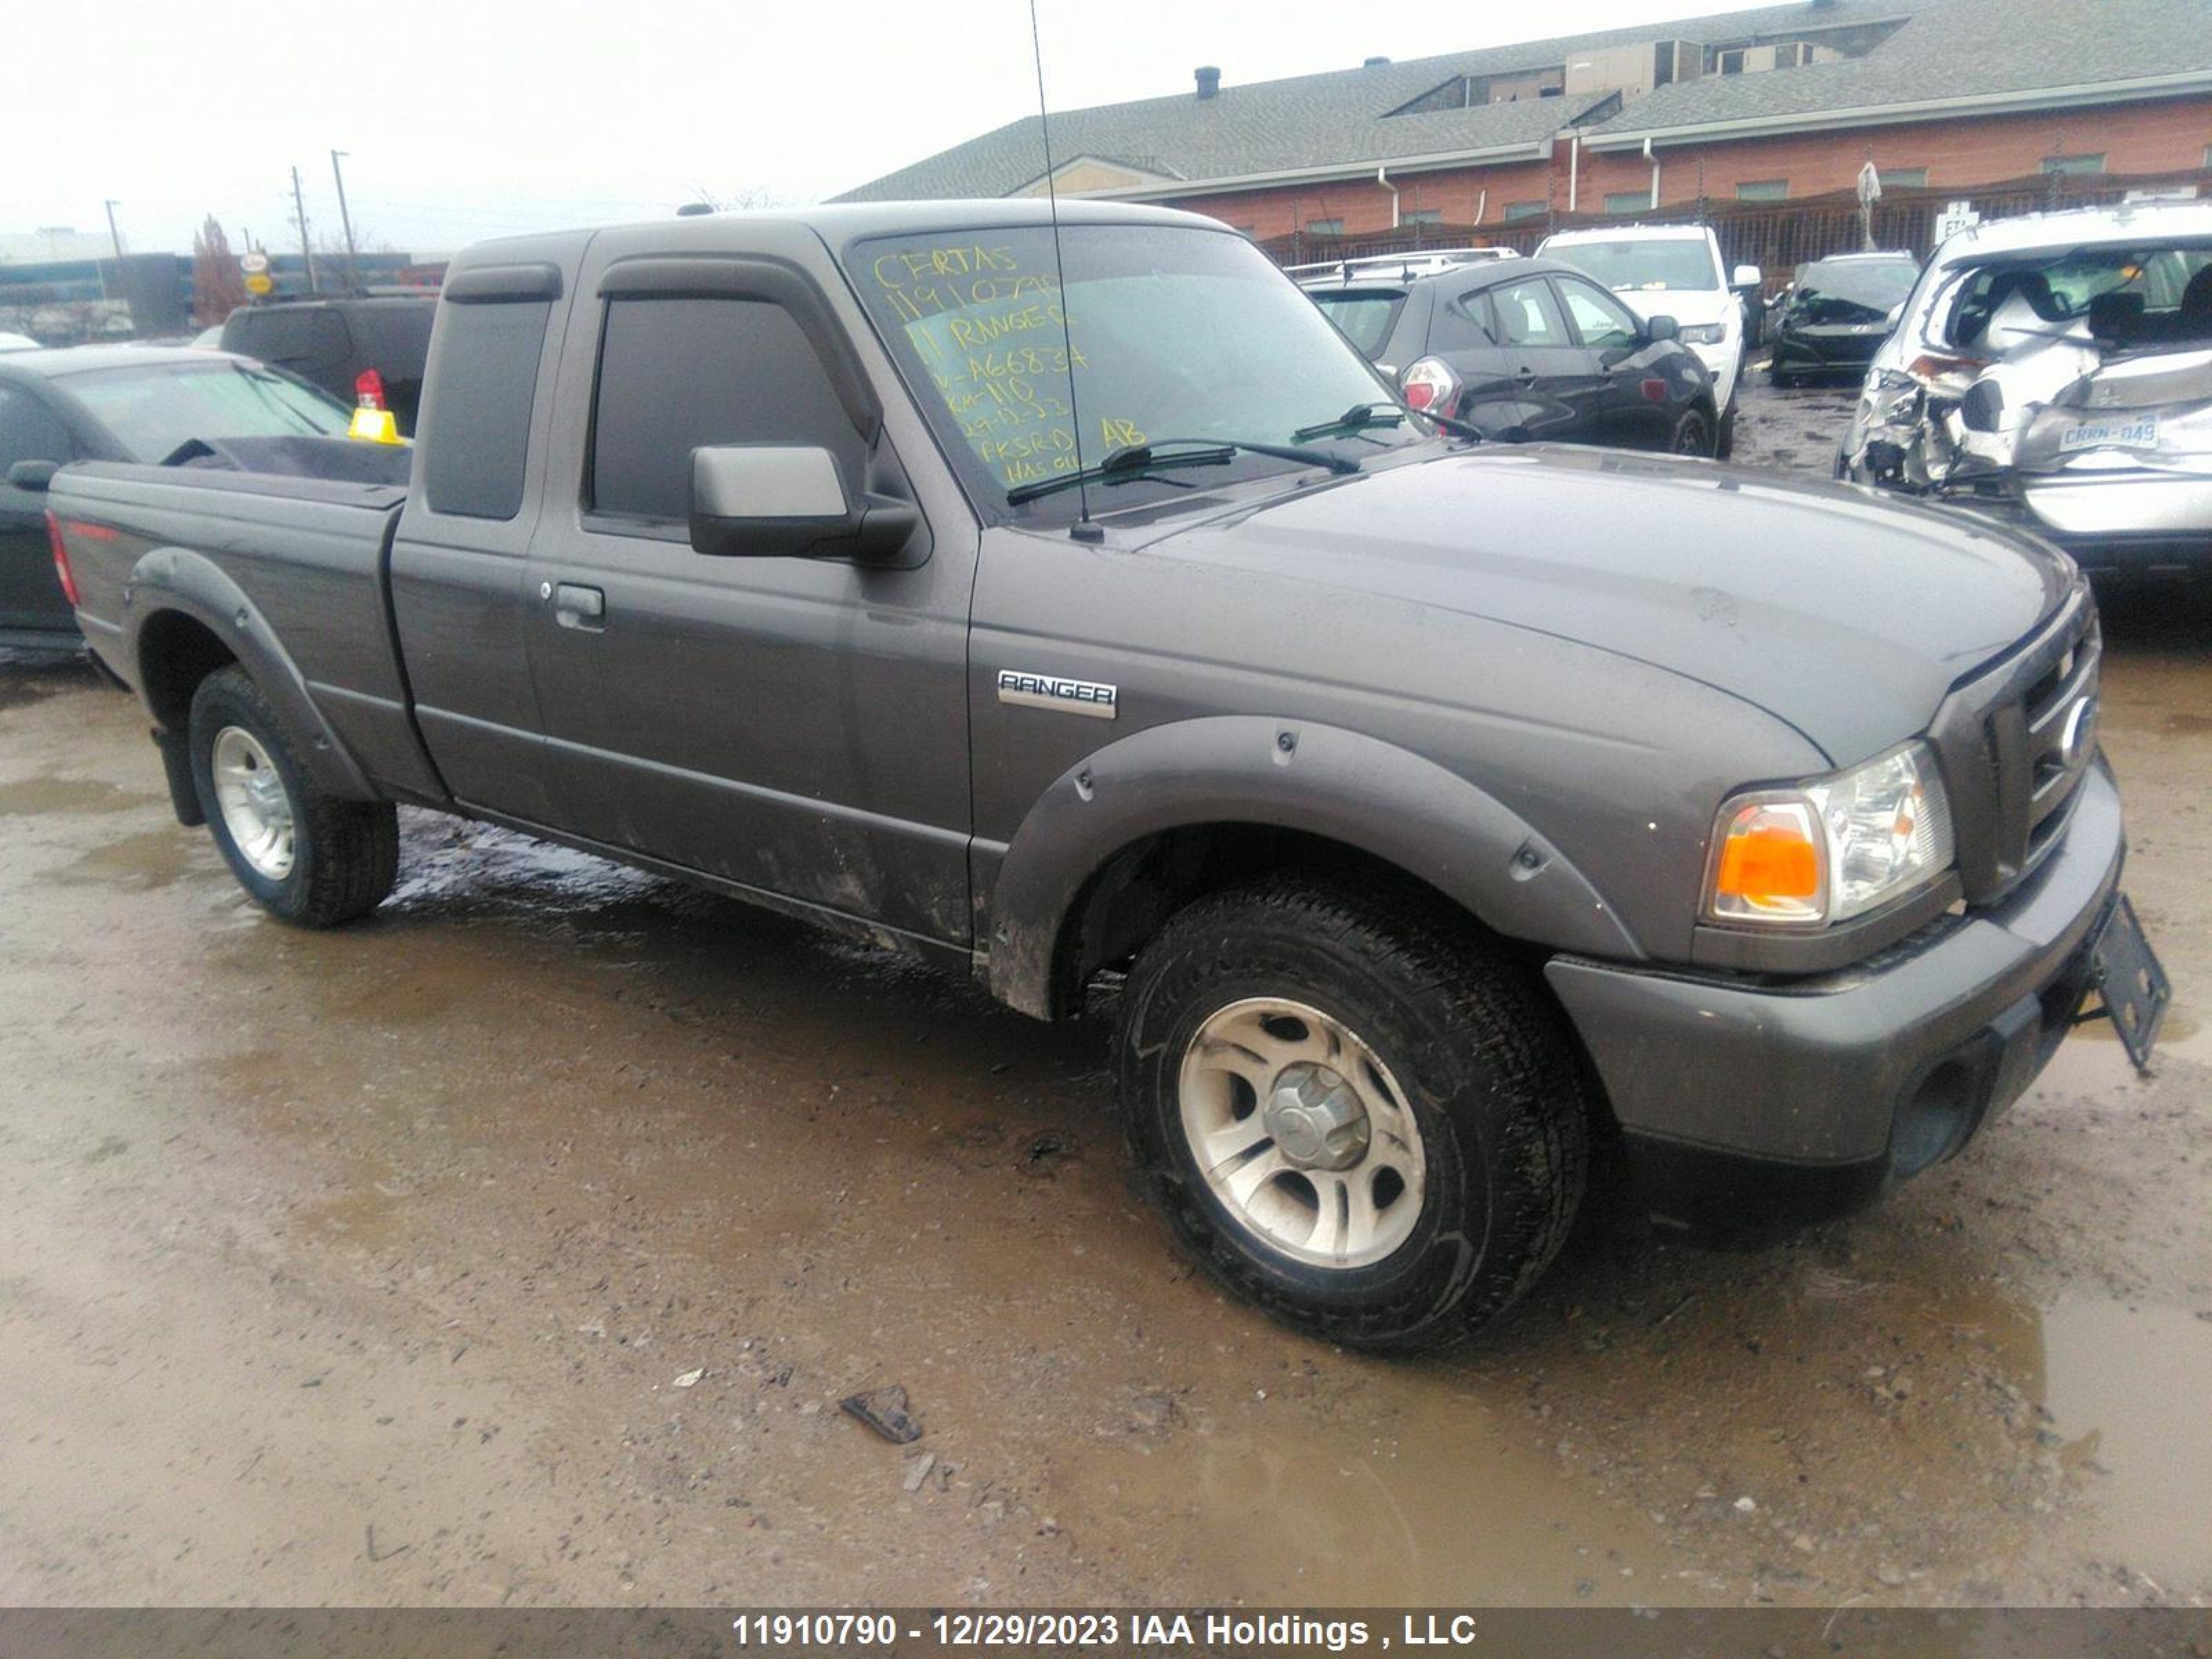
column 1674, row 271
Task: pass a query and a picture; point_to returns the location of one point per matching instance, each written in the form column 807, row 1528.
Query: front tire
column 305, row 856
column 1693, row 435
column 1365, row 1119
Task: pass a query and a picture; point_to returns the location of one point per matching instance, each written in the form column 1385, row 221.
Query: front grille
column 2015, row 744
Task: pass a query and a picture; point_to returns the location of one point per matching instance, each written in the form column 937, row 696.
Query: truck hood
column 1846, row 615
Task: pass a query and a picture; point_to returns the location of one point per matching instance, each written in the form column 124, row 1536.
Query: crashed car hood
column 1846, row 615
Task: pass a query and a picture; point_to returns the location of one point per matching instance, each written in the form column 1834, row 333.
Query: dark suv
column 1526, row 349
column 339, row 343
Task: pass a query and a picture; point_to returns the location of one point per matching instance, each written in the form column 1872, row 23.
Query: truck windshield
column 1635, row 265
column 155, row 411
column 1177, row 335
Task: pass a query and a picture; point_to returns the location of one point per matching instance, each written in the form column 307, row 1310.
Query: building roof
column 1951, row 58
column 1945, row 56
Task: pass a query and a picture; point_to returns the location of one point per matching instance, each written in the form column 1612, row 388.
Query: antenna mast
column 1083, row 529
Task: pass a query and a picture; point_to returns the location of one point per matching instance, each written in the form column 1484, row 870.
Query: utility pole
column 307, row 248
column 353, row 254
column 113, row 234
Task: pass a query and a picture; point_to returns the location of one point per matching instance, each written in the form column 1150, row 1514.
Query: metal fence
column 1775, row 236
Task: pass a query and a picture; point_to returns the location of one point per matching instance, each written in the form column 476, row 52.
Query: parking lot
column 516, row 1245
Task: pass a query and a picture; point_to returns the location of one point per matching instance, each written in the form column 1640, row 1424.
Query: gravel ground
column 516, row 1247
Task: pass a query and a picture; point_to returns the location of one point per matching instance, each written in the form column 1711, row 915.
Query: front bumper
column 1749, row 1107
column 1812, row 350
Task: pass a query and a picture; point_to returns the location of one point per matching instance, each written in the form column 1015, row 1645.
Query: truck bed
column 291, row 574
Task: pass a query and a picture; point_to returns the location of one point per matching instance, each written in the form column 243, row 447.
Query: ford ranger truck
column 1085, row 614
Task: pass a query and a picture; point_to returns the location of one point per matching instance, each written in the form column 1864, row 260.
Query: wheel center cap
column 1317, row 1118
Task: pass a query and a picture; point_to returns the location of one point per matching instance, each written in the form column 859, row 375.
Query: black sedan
column 119, row 404
column 1527, row 349
column 1835, row 316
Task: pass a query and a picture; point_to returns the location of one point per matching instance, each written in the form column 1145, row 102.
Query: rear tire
column 305, row 856
column 1459, row 1178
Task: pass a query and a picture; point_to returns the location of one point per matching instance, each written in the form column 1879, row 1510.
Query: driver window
column 1598, row 318
column 29, row 431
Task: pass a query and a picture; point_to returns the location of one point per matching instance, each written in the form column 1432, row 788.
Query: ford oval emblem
column 2078, row 734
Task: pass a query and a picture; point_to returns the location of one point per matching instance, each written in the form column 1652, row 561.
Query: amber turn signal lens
column 1769, row 864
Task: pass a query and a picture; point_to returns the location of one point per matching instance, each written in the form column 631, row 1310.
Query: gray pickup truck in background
column 1442, row 811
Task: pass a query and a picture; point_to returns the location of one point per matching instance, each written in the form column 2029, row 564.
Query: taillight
column 368, row 389
column 1429, row 384
column 61, row 558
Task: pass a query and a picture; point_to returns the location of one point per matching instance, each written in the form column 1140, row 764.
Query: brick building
column 1727, row 114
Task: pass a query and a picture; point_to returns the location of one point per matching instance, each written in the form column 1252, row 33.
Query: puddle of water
column 1328, row 1511
column 31, row 797
column 152, row 859
column 2130, row 1388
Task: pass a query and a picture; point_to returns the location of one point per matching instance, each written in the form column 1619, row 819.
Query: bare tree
column 218, row 284
column 744, row 196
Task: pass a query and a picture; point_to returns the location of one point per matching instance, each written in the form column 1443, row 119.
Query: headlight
column 1833, row 848
column 1702, row 333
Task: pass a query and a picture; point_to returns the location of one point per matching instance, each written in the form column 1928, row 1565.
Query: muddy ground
column 516, row 1247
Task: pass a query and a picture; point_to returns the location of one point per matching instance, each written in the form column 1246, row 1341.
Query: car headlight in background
column 1832, row 848
column 1702, row 333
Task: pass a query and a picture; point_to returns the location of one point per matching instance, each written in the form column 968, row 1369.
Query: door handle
column 579, row 607
column 1524, row 377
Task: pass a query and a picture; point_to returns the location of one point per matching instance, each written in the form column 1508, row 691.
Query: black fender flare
column 178, row 579
column 1342, row 785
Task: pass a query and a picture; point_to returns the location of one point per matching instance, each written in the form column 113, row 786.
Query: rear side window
column 1365, row 319
column 677, row 374
column 476, row 428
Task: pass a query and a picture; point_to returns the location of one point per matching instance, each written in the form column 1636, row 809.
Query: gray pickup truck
column 1083, row 612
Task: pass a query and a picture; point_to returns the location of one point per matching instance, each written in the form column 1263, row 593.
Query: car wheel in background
column 305, row 856
column 1693, row 435
column 1361, row 1117
column 1724, row 439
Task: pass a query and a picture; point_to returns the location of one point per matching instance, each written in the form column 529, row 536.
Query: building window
column 1526, row 210
column 1628, row 201
column 1425, row 216
column 1763, row 190
column 1324, row 226
column 1902, row 178
column 1732, row 62
column 2073, row 163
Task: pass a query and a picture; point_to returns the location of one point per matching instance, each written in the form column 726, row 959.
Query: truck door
column 458, row 577
column 794, row 726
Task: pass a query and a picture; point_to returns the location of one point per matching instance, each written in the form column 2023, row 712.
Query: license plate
column 2130, row 983
column 2134, row 432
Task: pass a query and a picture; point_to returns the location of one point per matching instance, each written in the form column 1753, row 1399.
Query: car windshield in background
column 1875, row 285
column 1177, row 334
column 155, row 410
column 1636, row 266
column 1365, row 319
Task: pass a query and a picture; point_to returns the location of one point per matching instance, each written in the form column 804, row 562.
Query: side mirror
column 35, row 477
column 1662, row 328
column 1896, row 316
column 777, row 500
column 1747, row 276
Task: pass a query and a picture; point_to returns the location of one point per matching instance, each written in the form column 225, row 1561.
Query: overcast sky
column 468, row 118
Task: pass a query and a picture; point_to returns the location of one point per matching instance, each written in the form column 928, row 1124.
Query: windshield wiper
column 1361, row 417
column 1131, row 462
